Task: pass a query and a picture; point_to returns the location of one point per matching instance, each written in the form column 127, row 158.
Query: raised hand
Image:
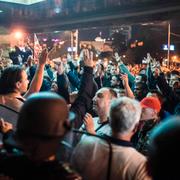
column 5, row 126
column 43, row 57
column 60, row 68
column 88, row 58
column 149, row 58
column 124, row 78
column 117, row 57
column 69, row 58
column 89, row 123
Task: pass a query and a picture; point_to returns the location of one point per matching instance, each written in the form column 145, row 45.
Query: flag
column 37, row 48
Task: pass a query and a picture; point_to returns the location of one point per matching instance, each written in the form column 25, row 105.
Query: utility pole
column 169, row 43
column 74, row 43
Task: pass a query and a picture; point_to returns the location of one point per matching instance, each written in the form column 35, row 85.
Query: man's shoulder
column 130, row 154
column 11, row 102
column 89, row 142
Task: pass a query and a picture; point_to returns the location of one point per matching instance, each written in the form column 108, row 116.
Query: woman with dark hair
column 14, row 84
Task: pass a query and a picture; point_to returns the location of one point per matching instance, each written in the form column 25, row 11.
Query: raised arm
column 62, row 82
column 123, row 68
column 127, row 88
column 37, row 80
column 83, row 103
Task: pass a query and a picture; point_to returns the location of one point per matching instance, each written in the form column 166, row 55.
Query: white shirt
column 90, row 159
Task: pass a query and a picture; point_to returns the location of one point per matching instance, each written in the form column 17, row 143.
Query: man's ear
column 18, row 84
column 136, row 127
column 154, row 114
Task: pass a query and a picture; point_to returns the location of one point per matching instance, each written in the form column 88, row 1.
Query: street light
column 18, row 35
column 174, row 58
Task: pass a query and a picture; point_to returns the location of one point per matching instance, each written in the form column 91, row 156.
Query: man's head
column 140, row 90
column 13, row 79
column 108, row 68
column 163, row 154
column 43, row 115
column 151, row 106
column 124, row 115
column 99, row 68
column 42, row 121
column 114, row 70
column 115, row 81
column 141, row 78
column 174, row 77
column 174, row 81
column 102, row 100
column 54, row 87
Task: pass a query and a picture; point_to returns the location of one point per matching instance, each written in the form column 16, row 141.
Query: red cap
column 151, row 102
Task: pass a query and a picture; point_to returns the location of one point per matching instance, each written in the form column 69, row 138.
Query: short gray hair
column 125, row 113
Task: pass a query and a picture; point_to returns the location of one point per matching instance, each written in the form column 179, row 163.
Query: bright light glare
column 174, row 57
column 18, row 35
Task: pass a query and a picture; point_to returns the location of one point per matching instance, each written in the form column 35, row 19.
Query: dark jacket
column 87, row 90
column 18, row 166
column 83, row 103
column 172, row 99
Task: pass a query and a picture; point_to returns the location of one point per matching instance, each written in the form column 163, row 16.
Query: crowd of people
column 86, row 119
